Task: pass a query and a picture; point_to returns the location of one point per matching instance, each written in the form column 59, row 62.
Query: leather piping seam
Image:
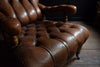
column 50, row 55
column 66, row 45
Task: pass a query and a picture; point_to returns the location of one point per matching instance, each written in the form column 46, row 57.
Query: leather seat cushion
column 60, row 40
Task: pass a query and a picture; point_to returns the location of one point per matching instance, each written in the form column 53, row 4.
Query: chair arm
column 10, row 25
column 67, row 9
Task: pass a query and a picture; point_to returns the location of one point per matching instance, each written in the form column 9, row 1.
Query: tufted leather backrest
column 25, row 11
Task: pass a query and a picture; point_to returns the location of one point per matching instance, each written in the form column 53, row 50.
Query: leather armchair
column 38, row 42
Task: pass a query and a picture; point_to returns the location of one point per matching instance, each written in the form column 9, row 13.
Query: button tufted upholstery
column 37, row 42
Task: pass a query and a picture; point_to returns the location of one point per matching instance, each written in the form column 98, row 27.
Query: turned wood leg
column 77, row 55
column 78, row 52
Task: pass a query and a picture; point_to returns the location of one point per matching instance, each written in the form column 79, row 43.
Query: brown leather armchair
column 38, row 42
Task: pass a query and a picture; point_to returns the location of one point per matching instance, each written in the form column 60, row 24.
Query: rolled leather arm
column 68, row 9
column 10, row 25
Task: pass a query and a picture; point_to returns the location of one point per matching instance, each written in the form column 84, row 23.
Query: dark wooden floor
column 90, row 53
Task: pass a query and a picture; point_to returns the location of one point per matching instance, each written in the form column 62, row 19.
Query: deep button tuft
column 58, row 39
column 45, row 28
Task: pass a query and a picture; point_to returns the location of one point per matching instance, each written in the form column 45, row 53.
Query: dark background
column 86, row 9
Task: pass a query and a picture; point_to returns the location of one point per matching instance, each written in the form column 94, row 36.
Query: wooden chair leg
column 78, row 52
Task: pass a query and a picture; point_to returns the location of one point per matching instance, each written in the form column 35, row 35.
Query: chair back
column 26, row 11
